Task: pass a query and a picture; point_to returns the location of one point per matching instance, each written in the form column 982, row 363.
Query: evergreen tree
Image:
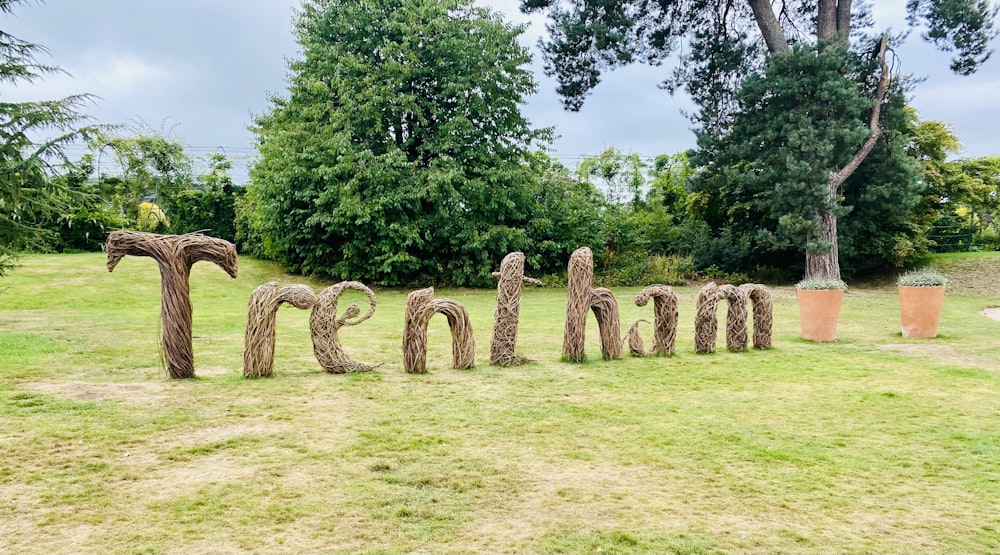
column 33, row 137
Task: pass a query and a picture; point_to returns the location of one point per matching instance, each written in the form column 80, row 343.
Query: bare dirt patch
column 992, row 312
column 214, row 371
column 159, row 481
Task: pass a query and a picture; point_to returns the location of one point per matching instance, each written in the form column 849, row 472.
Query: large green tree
column 33, row 140
column 400, row 154
column 727, row 41
column 769, row 176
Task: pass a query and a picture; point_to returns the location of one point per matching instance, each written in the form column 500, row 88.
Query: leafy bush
column 564, row 214
column 646, row 270
column 86, row 228
column 250, row 225
column 727, row 250
column 212, row 209
column 399, row 173
column 151, row 217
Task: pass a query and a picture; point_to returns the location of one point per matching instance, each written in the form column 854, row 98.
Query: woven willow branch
column 581, row 296
column 665, row 316
column 175, row 255
column 324, row 325
column 736, row 317
column 420, row 307
column 605, row 309
column 503, row 346
column 635, row 343
column 581, row 277
column 705, row 322
column 262, row 310
column 763, row 314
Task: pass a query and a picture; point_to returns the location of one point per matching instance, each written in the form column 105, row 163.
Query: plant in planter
column 819, row 307
column 921, row 296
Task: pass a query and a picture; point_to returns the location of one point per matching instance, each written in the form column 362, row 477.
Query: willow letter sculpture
column 503, row 347
column 324, row 324
column 736, row 317
column 175, row 255
column 706, row 323
column 664, row 321
column 420, row 307
column 581, row 296
column 262, row 310
column 763, row 314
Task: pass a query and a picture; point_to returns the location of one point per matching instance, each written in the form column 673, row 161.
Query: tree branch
column 838, row 178
column 769, row 27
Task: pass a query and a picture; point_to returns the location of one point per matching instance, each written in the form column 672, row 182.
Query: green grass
column 873, row 443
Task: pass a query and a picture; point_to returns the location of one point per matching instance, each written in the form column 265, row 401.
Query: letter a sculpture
column 175, row 254
column 581, row 296
column 664, row 321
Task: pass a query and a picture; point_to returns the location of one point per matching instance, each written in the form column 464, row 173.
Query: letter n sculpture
column 503, row 348
column 175, row 255
column 420, row 306
column 581, row 296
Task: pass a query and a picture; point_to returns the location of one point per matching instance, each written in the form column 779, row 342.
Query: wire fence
column 958, row 238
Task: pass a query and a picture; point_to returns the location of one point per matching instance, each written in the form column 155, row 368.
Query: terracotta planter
column 819, row 310
column 920, row 310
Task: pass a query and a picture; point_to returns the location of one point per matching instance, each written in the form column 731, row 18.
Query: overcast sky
column 198, row 70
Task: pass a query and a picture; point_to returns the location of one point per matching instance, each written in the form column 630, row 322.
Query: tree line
column 399, row 154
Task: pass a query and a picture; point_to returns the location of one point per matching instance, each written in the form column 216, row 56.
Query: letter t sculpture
column 175, row 254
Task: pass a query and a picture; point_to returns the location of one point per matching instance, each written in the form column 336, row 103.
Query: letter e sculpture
column 324, row 324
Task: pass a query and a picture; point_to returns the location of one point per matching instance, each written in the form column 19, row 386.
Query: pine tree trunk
column 827, row 264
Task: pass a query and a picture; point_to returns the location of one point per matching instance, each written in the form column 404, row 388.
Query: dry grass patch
column 128, row 393
column 942, row 354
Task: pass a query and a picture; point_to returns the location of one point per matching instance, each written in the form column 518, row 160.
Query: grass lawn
column 874, row 443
